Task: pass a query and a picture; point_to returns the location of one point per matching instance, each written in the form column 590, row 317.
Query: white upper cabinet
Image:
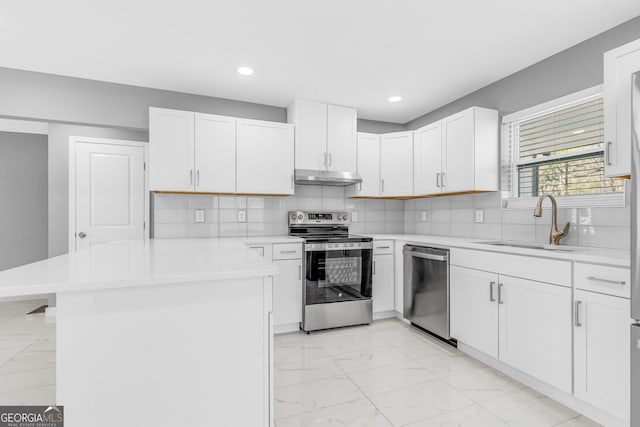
column 619, row 65
column 265, row 160
column 325, row 135
column 342, row 123
column 204, row 153
column 171, row 151
column 427, row 154
column 458, row 149
column 396, row 164
column 215, row 154
column 368, row 165
column 466, row 159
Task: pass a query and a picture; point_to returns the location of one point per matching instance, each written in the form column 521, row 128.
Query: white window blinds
column 558, row 152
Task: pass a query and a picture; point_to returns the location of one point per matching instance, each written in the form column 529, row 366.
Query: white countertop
column 614, row 257
column 142, row 263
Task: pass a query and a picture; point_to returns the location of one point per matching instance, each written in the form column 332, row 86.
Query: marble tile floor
column 384, row 374
column 27, row 354
column 391, row 374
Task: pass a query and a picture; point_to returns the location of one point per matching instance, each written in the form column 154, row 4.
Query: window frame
column 509, row 167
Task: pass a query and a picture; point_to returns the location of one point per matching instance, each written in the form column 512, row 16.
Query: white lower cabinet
column 523, row 323
column 474, row 315
column 535, row 329
column 382, row 286
column 287, row 294
column 601, row 351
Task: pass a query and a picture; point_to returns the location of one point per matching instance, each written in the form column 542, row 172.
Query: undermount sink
column 531, row 245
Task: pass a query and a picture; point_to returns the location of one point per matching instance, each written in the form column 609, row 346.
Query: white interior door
column 109, row 193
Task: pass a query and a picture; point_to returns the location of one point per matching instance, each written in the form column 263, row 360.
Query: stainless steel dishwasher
column 426, row 289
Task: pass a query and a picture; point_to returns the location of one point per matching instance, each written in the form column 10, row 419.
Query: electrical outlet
column 199, row 215
column 242, row 216
column 423, row 216
column 479, row 216
column 354, row 216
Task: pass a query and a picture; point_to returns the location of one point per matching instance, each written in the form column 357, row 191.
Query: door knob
column 82, row 234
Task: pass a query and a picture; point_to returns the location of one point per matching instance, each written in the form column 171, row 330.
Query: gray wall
column 372, row 126
column 571, row 70
column 59, row 176
column 52, row 98
column 23, row 189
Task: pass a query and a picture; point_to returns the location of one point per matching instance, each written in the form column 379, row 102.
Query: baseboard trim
column 572, row 402
column 283, row 329
column 384, row 315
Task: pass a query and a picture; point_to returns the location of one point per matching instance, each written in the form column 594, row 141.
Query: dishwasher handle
column 426, row 256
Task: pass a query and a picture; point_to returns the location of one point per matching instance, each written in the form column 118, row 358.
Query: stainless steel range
column 336, row 288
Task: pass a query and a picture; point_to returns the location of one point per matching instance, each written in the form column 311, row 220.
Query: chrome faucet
column 555, row 235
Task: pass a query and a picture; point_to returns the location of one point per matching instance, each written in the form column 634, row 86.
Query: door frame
column 73, row 141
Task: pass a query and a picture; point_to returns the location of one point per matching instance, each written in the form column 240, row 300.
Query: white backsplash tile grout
column 174, row 217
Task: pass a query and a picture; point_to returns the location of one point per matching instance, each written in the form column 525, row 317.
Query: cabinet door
column 474, row 309
column 310, row 119
column 427, row 147
column 602, row 350
column 396, row 164
column 171, row 150
column 382, row 286
column 535, row 329
column 368, row 165
column 399, row 277
column 287, row 293
column 619, row 65
column 341, row 138
column 265, row 157
column 215, row 153
column 458, row 152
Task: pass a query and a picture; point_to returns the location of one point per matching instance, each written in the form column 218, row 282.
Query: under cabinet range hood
column 321, row 177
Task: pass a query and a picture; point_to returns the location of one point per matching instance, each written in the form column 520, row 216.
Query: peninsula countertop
column 141, row 263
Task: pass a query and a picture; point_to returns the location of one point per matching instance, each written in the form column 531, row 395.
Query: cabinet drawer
column 382, row 247
column 606, row 280
column 287, row 251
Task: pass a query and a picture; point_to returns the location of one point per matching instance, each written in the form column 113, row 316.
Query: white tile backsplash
column 454, row 215
column 174, row 217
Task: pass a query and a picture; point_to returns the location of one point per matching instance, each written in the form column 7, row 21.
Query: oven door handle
column 426, row 256
column 338, row 249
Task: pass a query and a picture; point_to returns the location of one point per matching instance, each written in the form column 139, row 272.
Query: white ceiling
column 349, row 52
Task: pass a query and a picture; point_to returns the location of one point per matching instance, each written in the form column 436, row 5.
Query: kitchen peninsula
column 159, row 332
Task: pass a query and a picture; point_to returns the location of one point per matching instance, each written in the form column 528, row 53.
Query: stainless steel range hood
column 320, row 177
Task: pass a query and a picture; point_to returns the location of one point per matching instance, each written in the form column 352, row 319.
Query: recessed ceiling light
column 245, row 71
column 395, row 98
column 575, row 132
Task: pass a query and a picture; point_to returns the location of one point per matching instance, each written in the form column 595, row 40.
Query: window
column 558, row 149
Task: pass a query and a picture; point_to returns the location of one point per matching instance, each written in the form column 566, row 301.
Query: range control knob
column 300, row 217
column 293, row 216
column 344, row 217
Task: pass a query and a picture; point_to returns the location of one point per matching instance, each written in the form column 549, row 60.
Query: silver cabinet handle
column 443, row 181
column 438, row 180
column 292, row 182
column 613, row 282
column 500, row 285
column 607, row 153
column 374, row 268
column 426, row 256
column 190, row 176
column 383, row 185
column 382, row 247
column 491, row 298
column 82, row 234
column 198, row 177
column 577, row 314
column 288, row 252
column 325, row 159
column 299, row 272
column 330, row 160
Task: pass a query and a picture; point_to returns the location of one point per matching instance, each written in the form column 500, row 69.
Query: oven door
column 336, row 275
